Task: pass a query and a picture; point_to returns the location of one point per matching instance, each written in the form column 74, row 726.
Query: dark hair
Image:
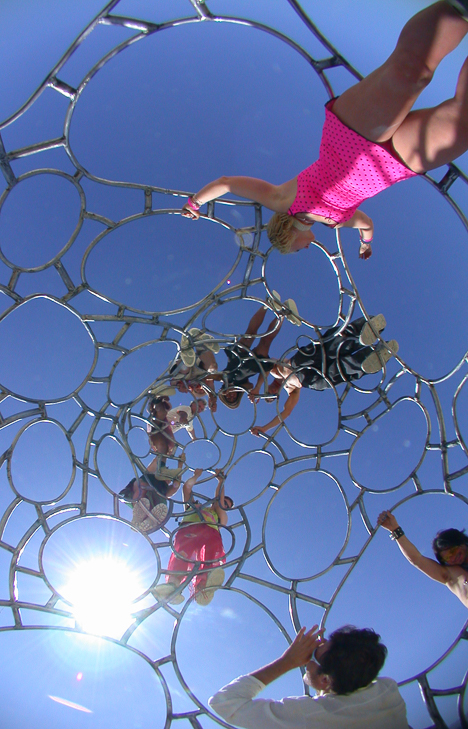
column 448, row 538
column 126, row 494
column 353, row 658
column 161, row 487
column 160, row 400
column 231, row 500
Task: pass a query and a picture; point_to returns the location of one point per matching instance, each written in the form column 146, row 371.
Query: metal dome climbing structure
column 93, row 313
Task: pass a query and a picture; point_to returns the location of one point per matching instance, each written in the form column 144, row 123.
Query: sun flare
column 102, row 591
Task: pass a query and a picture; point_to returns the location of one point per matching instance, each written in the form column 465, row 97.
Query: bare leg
column 254, row 325
column 159, row 443
column 378, row 105
column 163, row 443
column 208, row 360
column 429, row 138
column 263, row 349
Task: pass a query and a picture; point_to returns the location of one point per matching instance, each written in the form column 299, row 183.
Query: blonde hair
column 280, row 231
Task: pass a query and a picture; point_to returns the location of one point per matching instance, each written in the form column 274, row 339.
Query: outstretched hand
column 365, row 250
column 300, row 651
column 387, row 521
column 188, row 212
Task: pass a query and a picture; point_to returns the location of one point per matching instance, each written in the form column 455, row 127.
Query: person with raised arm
column 159, row 430
column 198, row 539
column 245, row 361
column 450, row 548
column 371, row 139
column 343, row 671
column 341, row 356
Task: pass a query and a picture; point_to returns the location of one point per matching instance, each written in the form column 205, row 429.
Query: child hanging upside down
column 245, row 362
column 341, row 357
column 371, row 139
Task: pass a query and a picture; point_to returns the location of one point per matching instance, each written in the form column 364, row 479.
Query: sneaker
column 214, row 580
column 461, row 6
column 141, row 509
column 204, row 340
column 188, row 354
column 158, row 514
column 375, row 361
column 162, row 389
column 291, row 313
column 287, row 309
column 275, row 302
column 169, row 473
column 372, row 329
column 163, row 593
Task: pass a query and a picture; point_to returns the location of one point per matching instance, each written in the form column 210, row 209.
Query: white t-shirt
column 377, row 706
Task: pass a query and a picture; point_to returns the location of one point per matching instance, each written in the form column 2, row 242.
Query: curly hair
column 448, row 538
column 353, row 658
column 280, row 231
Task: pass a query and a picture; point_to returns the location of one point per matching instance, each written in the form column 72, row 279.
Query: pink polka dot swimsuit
column 349, row 170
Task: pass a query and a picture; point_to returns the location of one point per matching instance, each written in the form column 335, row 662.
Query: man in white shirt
column 183, row 416
column 343, row 671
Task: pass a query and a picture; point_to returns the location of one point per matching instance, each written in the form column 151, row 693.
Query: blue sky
column 174, row 111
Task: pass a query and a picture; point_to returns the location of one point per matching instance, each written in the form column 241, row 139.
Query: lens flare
column 102, row 592
column 70, row 704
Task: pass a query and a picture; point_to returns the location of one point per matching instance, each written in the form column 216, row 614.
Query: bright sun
column 102, row 592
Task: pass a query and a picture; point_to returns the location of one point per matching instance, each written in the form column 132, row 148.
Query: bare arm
column 366, row 231
column 249, row 187
column 255, row 391
column 289, row 406
column 173, row 489
column 219, row 499
column 153, row 466
column 298, row 654
column 430, row 567
column 190, row 483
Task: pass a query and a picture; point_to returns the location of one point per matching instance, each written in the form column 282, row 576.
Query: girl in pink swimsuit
column 371, row 139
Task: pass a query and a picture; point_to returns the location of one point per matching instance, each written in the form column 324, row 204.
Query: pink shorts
column 196, row 542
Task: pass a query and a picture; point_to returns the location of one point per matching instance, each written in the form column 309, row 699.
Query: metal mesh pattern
column 93, row 421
